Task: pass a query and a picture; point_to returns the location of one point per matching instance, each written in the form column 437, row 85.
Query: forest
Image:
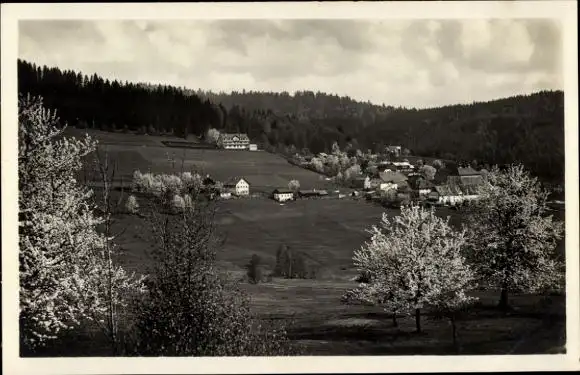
column 524, row 128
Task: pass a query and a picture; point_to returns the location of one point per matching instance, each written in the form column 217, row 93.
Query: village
column 389, row 179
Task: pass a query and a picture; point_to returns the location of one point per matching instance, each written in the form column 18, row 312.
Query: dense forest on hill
column 526, row 128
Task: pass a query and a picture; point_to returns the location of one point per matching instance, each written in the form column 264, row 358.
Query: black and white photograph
column 188, row 181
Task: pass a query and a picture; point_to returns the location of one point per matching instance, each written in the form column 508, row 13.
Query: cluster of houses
column 236, row 141
column 240, row 187
column 451, row 186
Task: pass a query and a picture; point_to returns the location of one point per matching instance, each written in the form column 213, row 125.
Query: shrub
column 137, row 182
column 132, row 206
column 188, row 201
column 190, row 309
column 171, row 183
column 191, row 183
column 254, row 270
column 294, row 185
column 291, row 264
column 178, row 203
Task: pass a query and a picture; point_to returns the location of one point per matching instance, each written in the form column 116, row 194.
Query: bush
column 132, row 206
column 187, row 201
column 291, row 264
column 178, row 204
column 191, row 183
column 191, row 310
column 171, row 183
column 254, row 269
column 294, row 185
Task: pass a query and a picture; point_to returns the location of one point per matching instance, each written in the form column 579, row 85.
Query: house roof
column 467, row 171
column 230, row 136
column 465, row 180
column 234, row 181
column 282, row 191
column 392, row 177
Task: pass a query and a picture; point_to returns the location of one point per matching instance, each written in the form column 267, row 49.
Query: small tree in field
column 131, row 205
column 191, row 309
column 294, row 185
column 411, row 263
column 254, row 270
column 63, row 258
column 212, row 136
column 514, row 240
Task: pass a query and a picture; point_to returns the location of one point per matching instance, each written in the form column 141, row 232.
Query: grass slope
column 328, row 231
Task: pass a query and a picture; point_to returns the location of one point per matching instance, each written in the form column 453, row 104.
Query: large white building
column 236, row 141
column 238, row 186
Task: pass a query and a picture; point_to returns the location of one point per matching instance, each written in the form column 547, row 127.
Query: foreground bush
column 190, row 309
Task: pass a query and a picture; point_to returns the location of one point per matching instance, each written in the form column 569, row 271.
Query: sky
column 410, row 63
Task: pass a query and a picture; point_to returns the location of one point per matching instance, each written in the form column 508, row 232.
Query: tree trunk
column 395, row 323
column 503, row 299
column 454, row 331
column 418, row 320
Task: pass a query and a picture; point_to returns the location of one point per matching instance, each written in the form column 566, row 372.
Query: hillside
column 526, row 128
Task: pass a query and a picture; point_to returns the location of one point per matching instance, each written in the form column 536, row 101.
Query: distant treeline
column 94, row 102
column 525, row 128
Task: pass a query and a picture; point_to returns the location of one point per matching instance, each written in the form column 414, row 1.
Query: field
column 328, row 231
column 264, row 171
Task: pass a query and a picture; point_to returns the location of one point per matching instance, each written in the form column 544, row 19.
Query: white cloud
column 399, row 62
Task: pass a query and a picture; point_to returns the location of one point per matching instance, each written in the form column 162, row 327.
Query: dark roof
column 234, row 180
column 465, row 180
column 313, row 192
column 392, row 177
column 282, row 191
column 467, row 171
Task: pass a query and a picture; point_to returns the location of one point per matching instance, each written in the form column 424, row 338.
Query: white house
column 238, row 186
column 283, row 195
column 236, row 141
column 447, row 195
column 253, row 147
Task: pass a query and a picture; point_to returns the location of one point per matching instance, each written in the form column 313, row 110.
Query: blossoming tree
column 513, row 236
column 413, row 262
column 62, row 255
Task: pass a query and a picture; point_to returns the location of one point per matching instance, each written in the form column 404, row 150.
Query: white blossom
column 62, row 262
column 412, row 262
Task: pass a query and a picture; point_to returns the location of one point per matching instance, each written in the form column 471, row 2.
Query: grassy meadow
column 328, row 231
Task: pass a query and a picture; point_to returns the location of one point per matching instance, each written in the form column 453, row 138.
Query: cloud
column 398, row 62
